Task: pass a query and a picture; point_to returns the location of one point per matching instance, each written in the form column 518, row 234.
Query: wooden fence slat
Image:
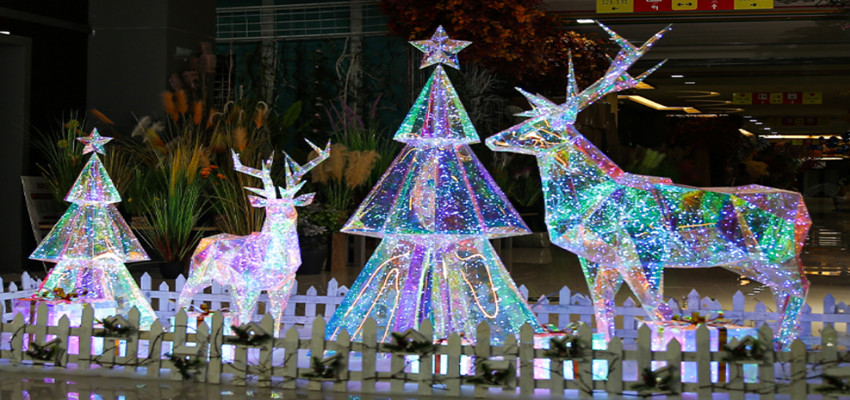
column 368, row 354
column 317, row 349
column 63, row 331
column 798, row 370
column 156, row 335
column 398, row 372
column 453, row 378
column 482, row 354
column 767, row 370
column 290, row 361
column 585, row 367
column 342, row 346
column 131, row 354
column 614, row 384
column 264, row 375
column 178, row 340
column 84, row 333
column 703, row 362
column 526, row 360
column 674, row 361
column 216, row 338
column 202, row 341
column 426, row 367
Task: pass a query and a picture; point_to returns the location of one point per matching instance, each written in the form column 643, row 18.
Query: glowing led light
column 435, row 209
column 91, row 243
column 265, row 260
column 627, row 227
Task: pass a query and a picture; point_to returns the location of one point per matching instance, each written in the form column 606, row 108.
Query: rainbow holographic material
column 265, row 260
column 627, row 227
column 91, row 243
column 435, row 208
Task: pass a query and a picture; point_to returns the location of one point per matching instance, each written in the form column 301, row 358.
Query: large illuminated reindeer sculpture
column 265, row 260
column 630, row 227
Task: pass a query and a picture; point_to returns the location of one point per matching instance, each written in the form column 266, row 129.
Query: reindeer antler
column 616, row 78
column 268, row 191
column 295, row 172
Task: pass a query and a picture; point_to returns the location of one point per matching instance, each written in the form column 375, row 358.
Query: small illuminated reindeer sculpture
column 265, row 260
column 630, row 227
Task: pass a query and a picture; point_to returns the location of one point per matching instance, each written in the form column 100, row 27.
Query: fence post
column 584, row 373
column 179, row 339
column 63, row 333
column 526, row 360
column 342, row 345
column 216, row 343
column 674, row 361
column 368, row 354
column 703, row 360
column 453, row 378
column 264, row 376
column 798, row 370
column 156, row 335
column 202, row 342
column 317, row 349
column 17, row 342
column 482, row 354
column 85, row 338
column 564, row 302
column 290, row 361
column 426, row 361
column 767, row 369
column 614, row 384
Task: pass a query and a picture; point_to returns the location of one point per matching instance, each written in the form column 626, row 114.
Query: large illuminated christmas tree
column 91, row 243
column 435, row 208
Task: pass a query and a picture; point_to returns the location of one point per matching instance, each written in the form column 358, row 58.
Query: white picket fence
column 206, row 354
column 450, row 369
column 570, row 307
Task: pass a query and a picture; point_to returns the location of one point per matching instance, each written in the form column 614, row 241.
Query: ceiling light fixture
column 690, row 83
column 585, row 21
column 745, row 132
column 657, row 106
column 677, row 76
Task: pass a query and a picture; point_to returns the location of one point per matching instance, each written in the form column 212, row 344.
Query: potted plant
column 174, row 205
column 316, row 223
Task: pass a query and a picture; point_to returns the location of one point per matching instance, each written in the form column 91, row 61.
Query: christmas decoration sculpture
column 91, row 243
column 630, row 227
column 265, row 260
column 435, row 208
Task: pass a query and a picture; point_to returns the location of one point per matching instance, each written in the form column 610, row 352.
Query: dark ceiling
column 796, row 47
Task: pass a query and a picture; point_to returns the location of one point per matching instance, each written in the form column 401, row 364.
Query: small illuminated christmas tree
column 435, row 208
column 91, row 243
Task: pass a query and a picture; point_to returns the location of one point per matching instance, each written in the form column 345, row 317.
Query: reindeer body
column 265, row 260
column 627, row 227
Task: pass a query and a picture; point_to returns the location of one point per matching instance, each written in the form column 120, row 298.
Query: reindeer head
column 281, row 207
column 551, row 124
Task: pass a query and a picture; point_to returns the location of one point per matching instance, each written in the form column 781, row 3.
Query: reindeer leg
column 789, row 287
column 645, row 280
column 277, row 302
column 603, row 282
column 198, row 280
column 245, row 300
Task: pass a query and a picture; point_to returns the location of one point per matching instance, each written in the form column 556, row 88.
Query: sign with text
column 628, row 6
column 777, row 98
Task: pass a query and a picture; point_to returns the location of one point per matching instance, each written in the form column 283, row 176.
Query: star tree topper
column 94, row 142
column 440, row 49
